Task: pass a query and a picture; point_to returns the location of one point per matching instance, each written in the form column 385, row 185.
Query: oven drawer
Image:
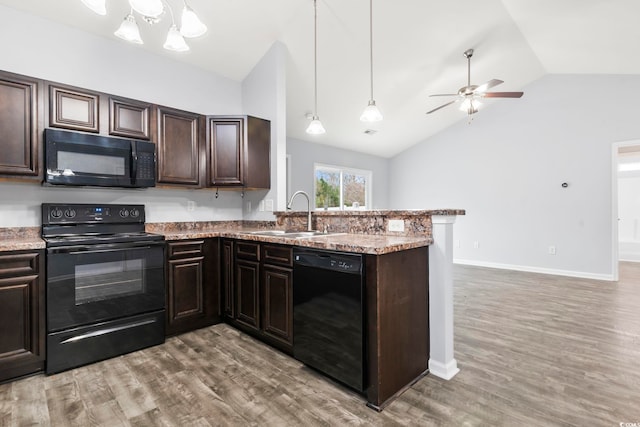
column 87, row 344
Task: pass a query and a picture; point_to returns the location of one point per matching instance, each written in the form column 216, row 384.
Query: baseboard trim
column 442, row 370
column 529, row 269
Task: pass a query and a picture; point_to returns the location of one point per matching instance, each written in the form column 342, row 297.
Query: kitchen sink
column 292, row 234
column 268, row 233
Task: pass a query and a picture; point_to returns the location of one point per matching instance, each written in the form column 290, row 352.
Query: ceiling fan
column 470, row 94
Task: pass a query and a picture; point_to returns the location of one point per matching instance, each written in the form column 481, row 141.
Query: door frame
column 615, row 243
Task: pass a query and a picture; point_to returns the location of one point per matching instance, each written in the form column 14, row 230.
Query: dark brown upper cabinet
column 74, row 108
column 239, row 150
column 179, row 148
column 20, row 116
column 129, row 118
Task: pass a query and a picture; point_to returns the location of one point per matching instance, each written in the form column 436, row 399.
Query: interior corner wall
column 304, row 154
column 51, row 51
column 264, row 95
column 507, row 168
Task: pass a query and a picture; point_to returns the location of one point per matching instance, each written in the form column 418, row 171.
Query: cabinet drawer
column 248, row 250
column 18, row 265
column 187, row 248
column 277, row 254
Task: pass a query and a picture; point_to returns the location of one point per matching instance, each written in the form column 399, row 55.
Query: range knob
column 135, row 213
column 70, row 213
column 56, row 213
column 124, row 213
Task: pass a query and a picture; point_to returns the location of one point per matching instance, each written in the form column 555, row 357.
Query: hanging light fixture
column 151, row 8
column 152, row 12
column 191, row 25
column 128, row 30
column 371, row 113
column 175, row 41
column 315, row 127
column 98, row 6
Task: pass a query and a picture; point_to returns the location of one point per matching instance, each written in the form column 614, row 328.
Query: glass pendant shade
column 315, row 127
column 371, row 113
column 98, row 6
column 470, row 105
column 129, row 31
column 175, row 41
column 191, row 25
column 152, row 8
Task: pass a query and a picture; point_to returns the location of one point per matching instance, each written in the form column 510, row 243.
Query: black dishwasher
column 328, row 314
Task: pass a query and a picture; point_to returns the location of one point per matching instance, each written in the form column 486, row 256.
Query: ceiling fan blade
column 502, row 94
column 442, row 106
column 444, row 94
column 488, row 85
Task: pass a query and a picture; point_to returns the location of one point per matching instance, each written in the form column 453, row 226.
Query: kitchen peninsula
column 406, row 275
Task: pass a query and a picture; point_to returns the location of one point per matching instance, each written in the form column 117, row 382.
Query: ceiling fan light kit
column 152, row 12
column 470, row 95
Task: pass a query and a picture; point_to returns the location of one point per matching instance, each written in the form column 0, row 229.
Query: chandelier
column 151, row 11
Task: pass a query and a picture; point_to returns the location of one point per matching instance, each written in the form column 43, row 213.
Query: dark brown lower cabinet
column 258, row 290
column 22, row 315
column 193, row 289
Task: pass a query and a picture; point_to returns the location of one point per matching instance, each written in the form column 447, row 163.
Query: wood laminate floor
column 534, row 350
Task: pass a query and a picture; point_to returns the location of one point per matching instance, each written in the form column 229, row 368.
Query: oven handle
column 107, row 331
column 92, row 249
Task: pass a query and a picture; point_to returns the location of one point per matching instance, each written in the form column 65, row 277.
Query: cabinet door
column 129, row 118
column 225, row 151
column 72, row 108
column 178, row 147
column 19, row 118
column 278, row 303
column 22, row 318
column 247, row 306
column 227, row 279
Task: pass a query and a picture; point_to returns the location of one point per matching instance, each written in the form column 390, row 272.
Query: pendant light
column 315, row 127
column 128, row 30
column 98, row 6
column 371, row 113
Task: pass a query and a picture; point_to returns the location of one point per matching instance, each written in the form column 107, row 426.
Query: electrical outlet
column 191, row 206
column 396, row 225
column 248, row 205
column 269, row 205
column 552, row 250
column 476, row 244
column 261, row 206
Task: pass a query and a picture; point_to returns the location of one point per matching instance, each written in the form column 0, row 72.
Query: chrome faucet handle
column 325, row 228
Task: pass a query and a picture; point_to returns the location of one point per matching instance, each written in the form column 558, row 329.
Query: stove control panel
column 76, row 213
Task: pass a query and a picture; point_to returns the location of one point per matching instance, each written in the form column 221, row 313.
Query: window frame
column 368, row 190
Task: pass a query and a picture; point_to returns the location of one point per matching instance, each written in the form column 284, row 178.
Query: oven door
column 94, row 283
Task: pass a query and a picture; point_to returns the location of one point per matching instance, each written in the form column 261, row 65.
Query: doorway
column 625, row 203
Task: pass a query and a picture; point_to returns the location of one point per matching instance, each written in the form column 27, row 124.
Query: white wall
column 304, row 154
column 264, row 95
column 55, row 52
column 506, row 169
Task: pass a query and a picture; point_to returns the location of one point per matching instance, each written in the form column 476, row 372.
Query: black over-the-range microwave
column 76, row 158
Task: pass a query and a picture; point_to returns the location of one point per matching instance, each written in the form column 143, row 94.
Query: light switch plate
column 269, row 205
column 396, row 225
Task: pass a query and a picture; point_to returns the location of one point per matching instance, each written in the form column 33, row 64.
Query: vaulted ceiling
column 418, row 46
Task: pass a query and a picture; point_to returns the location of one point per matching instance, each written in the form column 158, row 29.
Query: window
column 339, row 188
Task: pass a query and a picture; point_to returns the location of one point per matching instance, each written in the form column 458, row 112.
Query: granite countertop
column 20, row 244
column 357, row 243
column 375, row 212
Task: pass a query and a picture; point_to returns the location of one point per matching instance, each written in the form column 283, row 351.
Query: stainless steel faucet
column 308, row 206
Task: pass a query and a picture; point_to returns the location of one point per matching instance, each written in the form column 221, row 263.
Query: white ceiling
column 418, row 47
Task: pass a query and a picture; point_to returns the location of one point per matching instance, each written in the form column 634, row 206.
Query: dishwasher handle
column 345, row 263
